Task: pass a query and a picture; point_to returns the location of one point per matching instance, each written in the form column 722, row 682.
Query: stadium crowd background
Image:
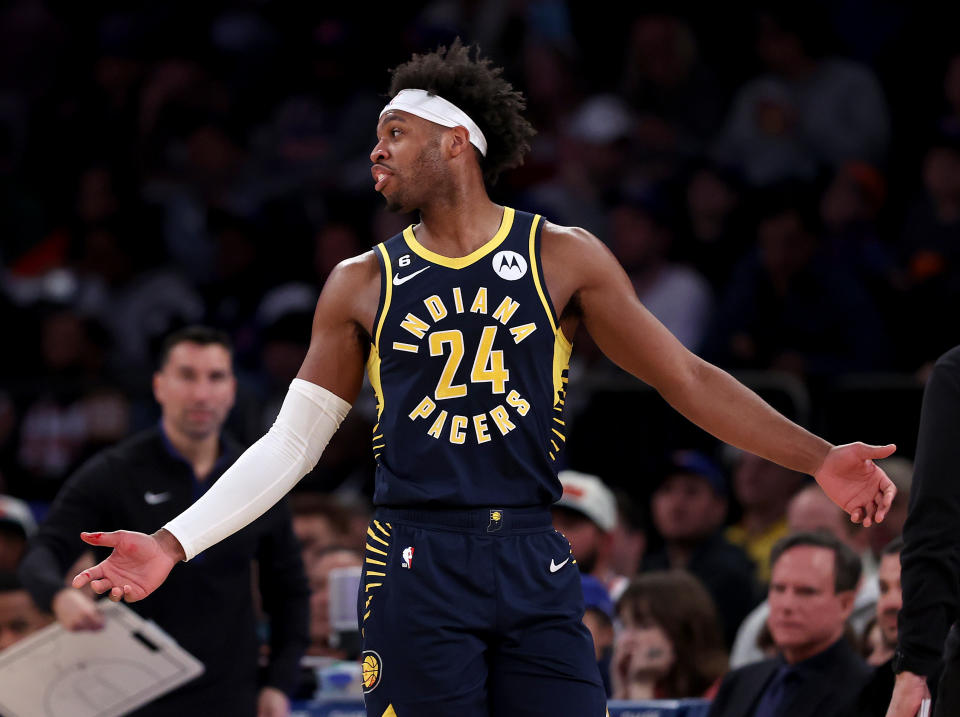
column 782, row 185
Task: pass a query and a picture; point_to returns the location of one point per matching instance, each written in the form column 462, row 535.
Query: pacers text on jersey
column 487, row 365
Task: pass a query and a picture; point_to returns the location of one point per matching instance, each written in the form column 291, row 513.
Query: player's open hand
column 137, row 566
column 854, row 482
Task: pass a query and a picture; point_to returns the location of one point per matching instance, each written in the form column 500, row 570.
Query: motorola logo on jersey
column 509, row 265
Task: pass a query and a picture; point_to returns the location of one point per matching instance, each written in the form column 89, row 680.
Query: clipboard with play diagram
column 107, row 673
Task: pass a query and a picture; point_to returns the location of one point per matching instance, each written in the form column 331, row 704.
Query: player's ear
column 458, row 140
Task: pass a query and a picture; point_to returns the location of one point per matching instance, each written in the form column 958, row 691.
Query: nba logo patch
column 407, row 558
column 496, row 521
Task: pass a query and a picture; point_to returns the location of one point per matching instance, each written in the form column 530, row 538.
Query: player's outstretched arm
column 318, row 400
column 708, row 396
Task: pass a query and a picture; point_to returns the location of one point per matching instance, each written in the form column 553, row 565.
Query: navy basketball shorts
column 474, row 613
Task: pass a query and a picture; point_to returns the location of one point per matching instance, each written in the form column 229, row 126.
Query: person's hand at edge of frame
column 272, row 702
column 908, row 692
column 76, row 611
column 851, row 479
column 137, row 566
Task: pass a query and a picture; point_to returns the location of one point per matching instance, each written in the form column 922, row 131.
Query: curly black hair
column 476, row 87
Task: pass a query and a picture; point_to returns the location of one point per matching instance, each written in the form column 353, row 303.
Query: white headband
column 436, row 109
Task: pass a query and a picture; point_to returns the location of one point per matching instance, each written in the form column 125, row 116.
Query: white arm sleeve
column 266, row 471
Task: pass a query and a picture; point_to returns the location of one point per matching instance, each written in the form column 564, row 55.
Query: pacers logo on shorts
column 371, row 669
column 496, row 521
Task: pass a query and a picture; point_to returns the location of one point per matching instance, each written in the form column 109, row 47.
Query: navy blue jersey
column 469, row 366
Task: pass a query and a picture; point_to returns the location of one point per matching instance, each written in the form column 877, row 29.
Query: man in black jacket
column 209, row 607
column 930, row 562
column 812, row 586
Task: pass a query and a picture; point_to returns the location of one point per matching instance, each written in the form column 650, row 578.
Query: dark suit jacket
column 832, row 681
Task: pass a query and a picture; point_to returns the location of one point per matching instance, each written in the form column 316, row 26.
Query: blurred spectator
column 676, row 96
column 811, row 511
column 629, row 536
column 19, row 615
column 176, row 90
column 553, row 80
column 318, row 571
column 359, row 514
column 319, row 523
column 712, row 237
column 334, row 242
column 891, row 598
column 593, row 164
column 814, row 577
column 140, row 313
column 208, row 607
column 873, row 648
column 213, row 173
column 950, row 121
column 851, row 210
column 900, row 471
column 17, row 526
column 91, row 240
column 32, row 40
column 598, row 617
column 789, row 307
column 8, row 423
column 553, row 75
column 586, row 515
column 319, row 128
column 676, row 294
column 807, row 110
column 283, row 317
column 689, row 507
column 931, row 253
column 73, row 407
column 875, row 697
column 670, row 645
column 763, row 489
column 108, row 115
column 239, row 275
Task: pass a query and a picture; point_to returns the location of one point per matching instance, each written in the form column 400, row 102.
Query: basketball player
column 470, row 603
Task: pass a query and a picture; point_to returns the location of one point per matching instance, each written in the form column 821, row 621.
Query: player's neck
column 200, row 453
column 459, row 225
